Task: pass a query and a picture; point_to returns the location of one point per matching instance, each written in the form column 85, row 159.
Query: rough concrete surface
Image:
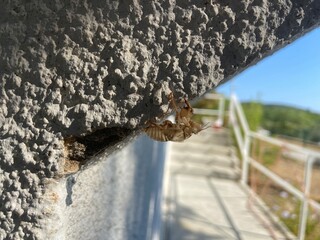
column 79, row 76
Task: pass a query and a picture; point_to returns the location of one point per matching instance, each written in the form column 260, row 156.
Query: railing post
column 221, row 110
column 231, row 111
column 245, row 159
column 305, row 205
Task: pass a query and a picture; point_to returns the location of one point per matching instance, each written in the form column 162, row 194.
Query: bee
column 182, row 129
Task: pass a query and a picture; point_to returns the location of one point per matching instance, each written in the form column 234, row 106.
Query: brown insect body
column 182, row 129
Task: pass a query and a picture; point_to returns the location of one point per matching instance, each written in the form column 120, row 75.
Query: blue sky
column 291, row 76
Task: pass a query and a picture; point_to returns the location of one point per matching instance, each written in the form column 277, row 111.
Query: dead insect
column 182, row 129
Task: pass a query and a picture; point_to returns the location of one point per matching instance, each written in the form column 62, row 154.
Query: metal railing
column 214, row 112
column 244, row 136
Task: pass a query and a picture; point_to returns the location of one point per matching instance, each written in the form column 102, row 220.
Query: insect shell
column 179, row 131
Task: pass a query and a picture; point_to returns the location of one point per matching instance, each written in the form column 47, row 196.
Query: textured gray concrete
column 78, row 77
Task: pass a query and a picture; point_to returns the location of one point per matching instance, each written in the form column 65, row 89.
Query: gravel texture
column 71, row 69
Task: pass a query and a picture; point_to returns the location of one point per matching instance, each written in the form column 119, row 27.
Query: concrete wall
column 78, row 77
column 118, row 198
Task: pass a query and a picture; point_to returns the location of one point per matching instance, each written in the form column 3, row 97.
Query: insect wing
column 156, row 133
column 179, row 131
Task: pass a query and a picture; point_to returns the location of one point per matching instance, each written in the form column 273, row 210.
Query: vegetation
column 285, row 206
column 283, row 120
column 254, row 114
column 279, row 120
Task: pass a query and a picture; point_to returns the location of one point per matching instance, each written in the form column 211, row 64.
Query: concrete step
column 207, row 148
column 213, row 136
column 204, row 198
column 208, row 154
column 196, row 169
column 205, row 158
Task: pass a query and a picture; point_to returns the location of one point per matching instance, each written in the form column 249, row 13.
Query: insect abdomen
column 156, row 133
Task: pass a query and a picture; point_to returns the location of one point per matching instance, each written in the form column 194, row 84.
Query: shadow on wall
column 118, row 198
column 144, row 213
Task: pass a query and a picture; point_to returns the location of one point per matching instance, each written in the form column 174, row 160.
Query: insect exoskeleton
column 162, row 132
column 196, row 127
column 185, row 114
column 179, row 131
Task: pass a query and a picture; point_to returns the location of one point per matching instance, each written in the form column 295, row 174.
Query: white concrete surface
column 117, row 199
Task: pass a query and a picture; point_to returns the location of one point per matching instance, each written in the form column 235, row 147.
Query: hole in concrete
column 79, row 149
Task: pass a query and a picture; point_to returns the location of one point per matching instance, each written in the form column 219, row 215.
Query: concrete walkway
column 203, row 197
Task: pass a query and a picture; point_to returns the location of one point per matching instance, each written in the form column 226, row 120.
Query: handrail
column 243, row 142
column 286, row 145
column 236, row 115
column 213, row 112
column 241, row 115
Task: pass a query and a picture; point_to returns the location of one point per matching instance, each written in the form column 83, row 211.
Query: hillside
column 289, row 121
column 278, row 119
